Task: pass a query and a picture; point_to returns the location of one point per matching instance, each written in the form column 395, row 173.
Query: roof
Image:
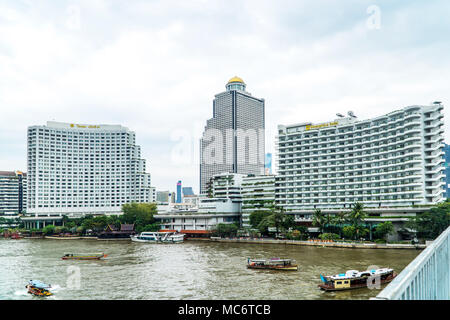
column 196, row 231
column 235, row 79
column 127, row 227
column 111, row 227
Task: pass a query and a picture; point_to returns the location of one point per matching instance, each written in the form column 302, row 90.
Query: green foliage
column 141, row 214
column 257, row 216
column 49, row 229
column 349, row 232
column 58, row 230
column 329, row 236
column 383, row 229
column 380, row 241
column 148, row 227
column 430, row 224
column 80, row 230
column 225, row 230
column 318, row 219
column 356, row 218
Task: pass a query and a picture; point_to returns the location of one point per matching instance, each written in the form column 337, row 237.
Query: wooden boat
column 354, row 279
column 37, row 288
column 93, row 256
column 272, row 264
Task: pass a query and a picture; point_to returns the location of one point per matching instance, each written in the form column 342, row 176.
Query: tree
column 430, row 224
column 48, row 229
column 384, row 229
column 257, row 216
column 349, row 232
column 226, row 230
column 356, row 218
column 339, row 219
column 318, row 219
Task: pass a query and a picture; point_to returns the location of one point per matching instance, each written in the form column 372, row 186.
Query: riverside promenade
column 318, row 243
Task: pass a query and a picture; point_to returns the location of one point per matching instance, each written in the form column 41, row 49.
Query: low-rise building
column 258, row 194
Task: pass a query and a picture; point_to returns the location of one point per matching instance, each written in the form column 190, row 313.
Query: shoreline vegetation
column 315, row 243
column 268, row 224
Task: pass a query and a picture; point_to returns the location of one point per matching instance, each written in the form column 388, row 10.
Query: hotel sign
column 83, row 126
column 323, row 125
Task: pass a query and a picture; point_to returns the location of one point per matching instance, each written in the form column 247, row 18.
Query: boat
column 272, row 264
column 90, row 256
column 353, row 279
column 159, row 237
column 38, row 288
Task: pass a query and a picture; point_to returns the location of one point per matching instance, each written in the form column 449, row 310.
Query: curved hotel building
column 392, row 160
column 78, row 169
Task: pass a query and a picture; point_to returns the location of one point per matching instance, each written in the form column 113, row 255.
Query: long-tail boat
column 272, row 264
column 92, row 256
column 38, row 288
column 353, row 279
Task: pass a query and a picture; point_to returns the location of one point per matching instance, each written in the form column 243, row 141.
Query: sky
column 155, row 66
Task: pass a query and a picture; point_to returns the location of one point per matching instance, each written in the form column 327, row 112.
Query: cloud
column 155, row 66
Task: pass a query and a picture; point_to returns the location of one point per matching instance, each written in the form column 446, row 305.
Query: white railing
column 427, row 277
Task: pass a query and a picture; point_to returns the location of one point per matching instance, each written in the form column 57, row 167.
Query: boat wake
column 21, row 293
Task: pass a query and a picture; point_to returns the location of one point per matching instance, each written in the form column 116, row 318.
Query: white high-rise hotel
column 392, row 160
column 78, row 169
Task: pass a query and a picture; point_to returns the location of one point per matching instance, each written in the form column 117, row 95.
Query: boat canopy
column 39, row 284
column 350, row 274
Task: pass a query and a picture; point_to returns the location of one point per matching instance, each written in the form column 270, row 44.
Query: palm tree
column 357, row 216
column 318, row 219
column 339, row 219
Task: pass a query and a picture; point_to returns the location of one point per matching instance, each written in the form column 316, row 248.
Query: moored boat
column 38, row 288
column 159, row 237
column 353, row 279
column 91, row 256
column 272, row 264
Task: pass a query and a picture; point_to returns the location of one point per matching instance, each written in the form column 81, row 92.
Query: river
column 191, row 270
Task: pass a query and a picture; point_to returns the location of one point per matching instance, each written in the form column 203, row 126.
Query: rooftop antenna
column 351, row 114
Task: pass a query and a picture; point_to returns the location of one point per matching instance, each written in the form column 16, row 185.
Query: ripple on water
column 192, row 270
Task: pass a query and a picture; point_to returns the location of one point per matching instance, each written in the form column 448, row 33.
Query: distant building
column 447, row 170
column 258, row 194
column 163, row 197
column 233, row 139
column 13, row 192
column 179, row 195
column 187, row 192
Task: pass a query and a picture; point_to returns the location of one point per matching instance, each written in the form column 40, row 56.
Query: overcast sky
column 155, row 66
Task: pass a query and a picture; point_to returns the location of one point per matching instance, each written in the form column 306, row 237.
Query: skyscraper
column 233, row 140
column 13, row 191
column 392, row 160
column 78, row 169
column 179, row 192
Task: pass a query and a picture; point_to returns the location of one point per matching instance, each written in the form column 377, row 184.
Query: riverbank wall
column 351, row 245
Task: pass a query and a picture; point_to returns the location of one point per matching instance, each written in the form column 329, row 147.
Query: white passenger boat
column 159, row 237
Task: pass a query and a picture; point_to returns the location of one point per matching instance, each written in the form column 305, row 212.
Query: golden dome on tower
column 236, row 79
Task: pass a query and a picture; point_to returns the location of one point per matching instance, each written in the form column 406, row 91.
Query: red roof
column 196, row 231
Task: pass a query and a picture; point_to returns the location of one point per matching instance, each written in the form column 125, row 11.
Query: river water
column 191, row 270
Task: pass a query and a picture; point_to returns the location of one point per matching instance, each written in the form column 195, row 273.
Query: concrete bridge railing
column 427, row 277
